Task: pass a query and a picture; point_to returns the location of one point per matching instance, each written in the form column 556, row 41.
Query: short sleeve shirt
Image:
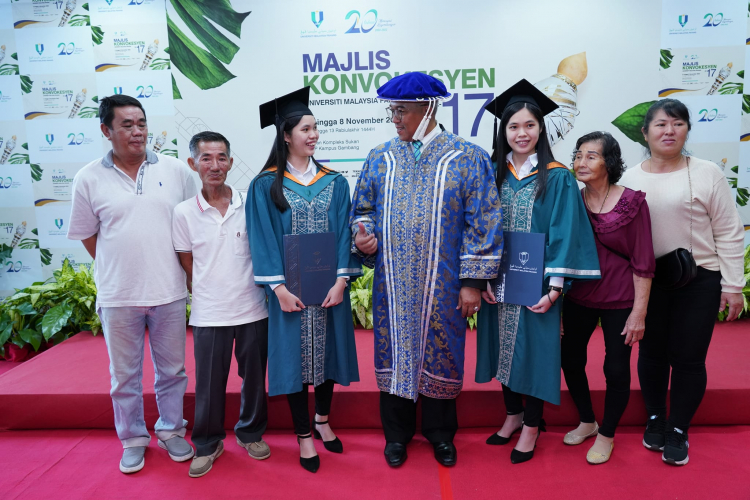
column 224, row 290
column 136, row 264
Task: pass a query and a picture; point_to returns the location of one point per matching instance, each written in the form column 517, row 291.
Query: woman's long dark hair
column 278, row 159
column 543, row 149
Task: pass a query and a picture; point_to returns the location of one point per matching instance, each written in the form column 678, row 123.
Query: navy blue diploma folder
column 522, row 269
column 310, row 265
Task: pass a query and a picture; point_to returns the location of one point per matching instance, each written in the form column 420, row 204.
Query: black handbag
column 678, row 268
column 675, row 269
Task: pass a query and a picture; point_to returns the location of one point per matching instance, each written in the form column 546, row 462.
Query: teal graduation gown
column 515, row 345
column 315, row 344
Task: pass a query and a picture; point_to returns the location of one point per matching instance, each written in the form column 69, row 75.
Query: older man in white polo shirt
column 210, row 236
column 122, row 212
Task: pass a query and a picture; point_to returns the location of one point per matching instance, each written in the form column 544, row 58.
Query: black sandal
column 334, row 446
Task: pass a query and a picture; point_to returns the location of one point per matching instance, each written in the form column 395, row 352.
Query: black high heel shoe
column 496, row 439
column 311, row 464
column 519, row 457
column 335, row 446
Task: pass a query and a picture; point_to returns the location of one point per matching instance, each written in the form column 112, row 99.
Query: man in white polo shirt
column 210, row 236
column 122, row 212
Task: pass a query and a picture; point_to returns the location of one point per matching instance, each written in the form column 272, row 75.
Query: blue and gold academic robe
column 519, row 347
column 315, row 344
column 437, row 221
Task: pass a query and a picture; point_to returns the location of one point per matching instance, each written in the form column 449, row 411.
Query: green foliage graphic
column 10, row 68
column 205, row 68
column 36, row 172
column 731, row 88
column 97, row 34
column 630, row 122
column 26, row 84
column 666, row 58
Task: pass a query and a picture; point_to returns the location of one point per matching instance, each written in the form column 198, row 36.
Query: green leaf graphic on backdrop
column 26, row 84
column 631, row 122
column 746, row 103
column 36, row 172
column 204, row 67
column 97, row 34
column 175, row 91
column 6, row 252
column 80, row 20
column 666, row 58
column 10, row 69
column 46, row 256
column 731, row 88
column 741, row 73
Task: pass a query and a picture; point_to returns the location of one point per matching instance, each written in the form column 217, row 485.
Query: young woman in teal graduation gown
column 520, row 346
column 307, row 344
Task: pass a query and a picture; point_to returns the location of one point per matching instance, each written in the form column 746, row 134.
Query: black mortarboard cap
column 523, row 91
column 285, row 107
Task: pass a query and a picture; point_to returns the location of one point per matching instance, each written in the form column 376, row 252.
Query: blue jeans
column 125, row 332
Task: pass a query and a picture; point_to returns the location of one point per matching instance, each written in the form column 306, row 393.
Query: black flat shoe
column 311, row 464
column 519, row 457
column 495, row 439
column 395, row 454
column 335, row 446
column 445, row 453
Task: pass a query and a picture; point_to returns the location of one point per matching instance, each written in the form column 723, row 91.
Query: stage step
column 68, row 387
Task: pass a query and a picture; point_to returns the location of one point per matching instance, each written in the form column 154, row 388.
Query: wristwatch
column 555, row 289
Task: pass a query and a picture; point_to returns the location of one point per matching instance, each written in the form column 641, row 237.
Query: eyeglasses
column 398, row 113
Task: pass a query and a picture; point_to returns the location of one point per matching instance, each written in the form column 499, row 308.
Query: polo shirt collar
column 234, row 204
column 109, row 159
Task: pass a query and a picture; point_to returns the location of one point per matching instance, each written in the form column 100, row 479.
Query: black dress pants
column 213, row 356
column 532, row 414
column 399, row 418
column 299, row 407
column 579, row 323
column 679, row 327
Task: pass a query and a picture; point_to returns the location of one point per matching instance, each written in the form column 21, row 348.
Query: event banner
column 57, row 60
column 201, row 65
column 704, row 53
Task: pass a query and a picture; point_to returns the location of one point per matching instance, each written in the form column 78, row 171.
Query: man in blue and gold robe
column 426, row 216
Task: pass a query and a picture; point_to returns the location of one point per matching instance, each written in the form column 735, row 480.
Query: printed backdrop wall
column 207, row 65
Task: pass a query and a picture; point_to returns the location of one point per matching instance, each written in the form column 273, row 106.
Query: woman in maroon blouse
column 622, row 227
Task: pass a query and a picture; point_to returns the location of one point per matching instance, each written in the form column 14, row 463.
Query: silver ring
column 476, row 308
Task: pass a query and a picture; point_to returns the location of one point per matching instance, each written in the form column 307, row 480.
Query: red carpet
column 83, row 464
column 71, row 383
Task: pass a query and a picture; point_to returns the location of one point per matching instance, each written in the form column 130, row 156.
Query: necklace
column 670, row 170
column 585, row 192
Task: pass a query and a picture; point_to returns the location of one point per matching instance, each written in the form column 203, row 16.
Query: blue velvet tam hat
column 413, row 87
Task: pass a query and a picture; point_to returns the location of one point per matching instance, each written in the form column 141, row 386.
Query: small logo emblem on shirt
column 159, row 184
column 238, row 234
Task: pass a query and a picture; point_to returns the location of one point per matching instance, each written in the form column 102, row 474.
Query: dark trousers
column 532, row 414
column 579, row 323
column 679, row 327
column 300, row 411
column 399, row 418
column 213, row 355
